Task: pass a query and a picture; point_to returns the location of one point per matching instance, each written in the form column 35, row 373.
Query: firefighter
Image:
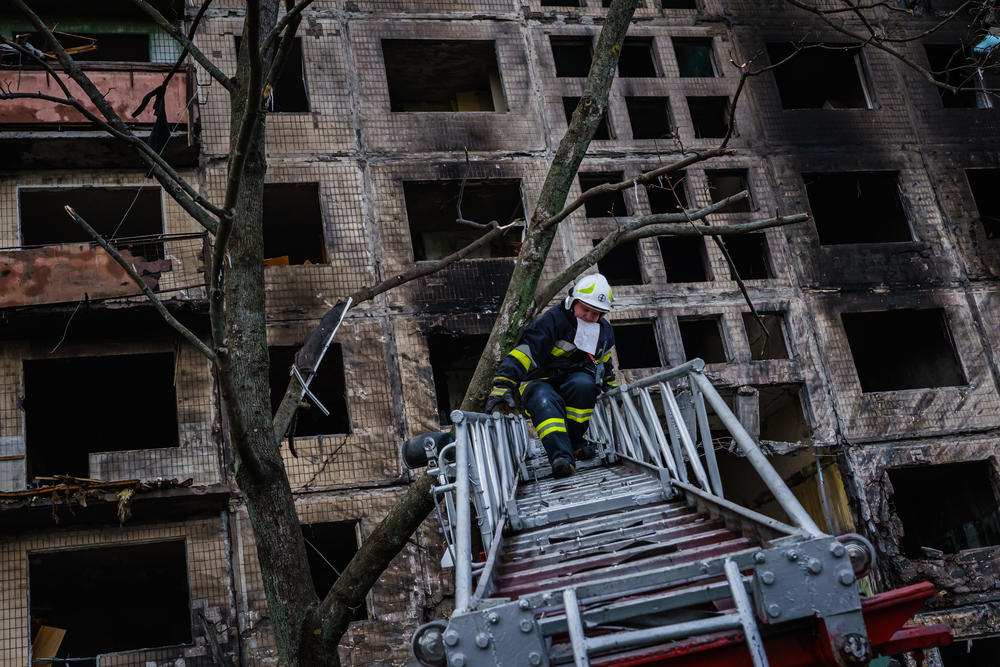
column 557, row 370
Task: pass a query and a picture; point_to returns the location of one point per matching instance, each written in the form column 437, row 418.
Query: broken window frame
column 768, row 316
column 363, row 612
column 129, row 192
column 436, row 345
column 567, row 40
column 713, row 64
column 949, row 340
column 590, row 206
column 698, row 126
column 720, row 329
column 858, row 174
column 498, row 97
column 186, row 622
column 747, row 205
column 300, row 46
column 981, row 98
column 860, row 68
column 650, row 44
column 703, row 256
column 510, row 238
column 991, row 230
column 653, row 324
column 570, row 103
column 286, row 189
column 614, row 258
column 631, row 101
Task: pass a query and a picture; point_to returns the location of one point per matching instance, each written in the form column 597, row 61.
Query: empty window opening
column 114, row 213
column 431, row 209
column 749, row 255
column 637, row 345
column 328, row 386
column 857, row 207
column 723, row 183
column 986, row 194
column 104, row 47
column 152, row 577
column 603, row 131
column 572, row 55
column 684, row 259
column 903, row 349
column 443, row 75
column 649, row 117
column 773, row 345
column 982, row 652
column 453, row 360
column 702, row 338
column 678, row 4
column 74, row 407
column 709, row 116
column 782, row 418
column 637, row 59
column 970, row 519
column 330, row 546
column 293, row 224
column 621, row 265
column 819, row 76
column 668, row 194
column 608, row 204
column 950, row 65
column 560, row 3
column 694, row 57
column 289, row 93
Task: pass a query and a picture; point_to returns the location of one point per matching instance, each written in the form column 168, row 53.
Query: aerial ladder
column 639, row 559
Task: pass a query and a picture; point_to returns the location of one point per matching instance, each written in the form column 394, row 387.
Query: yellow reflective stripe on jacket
column 499, row 391
column 554, row 425
column 606, row 358
column 523, row 354
column 556, row 352
column 562, row 348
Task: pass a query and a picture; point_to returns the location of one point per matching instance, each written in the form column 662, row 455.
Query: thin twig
column 137, row 279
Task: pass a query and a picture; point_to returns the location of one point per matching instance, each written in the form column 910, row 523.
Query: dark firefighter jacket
column 546, row 351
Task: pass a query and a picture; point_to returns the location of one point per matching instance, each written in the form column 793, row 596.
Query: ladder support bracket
column 501, row 636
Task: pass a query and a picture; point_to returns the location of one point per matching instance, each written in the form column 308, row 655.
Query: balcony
column 39, row 134
column 171, row 265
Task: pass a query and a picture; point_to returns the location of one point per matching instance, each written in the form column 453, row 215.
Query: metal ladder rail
column 743, row 618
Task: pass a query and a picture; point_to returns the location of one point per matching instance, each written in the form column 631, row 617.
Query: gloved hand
column 504, row 391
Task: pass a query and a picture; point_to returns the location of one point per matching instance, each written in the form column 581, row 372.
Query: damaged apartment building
column 123, row 537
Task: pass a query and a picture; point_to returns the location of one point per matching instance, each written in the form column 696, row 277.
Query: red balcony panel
column 124, row 90
column 66, row 272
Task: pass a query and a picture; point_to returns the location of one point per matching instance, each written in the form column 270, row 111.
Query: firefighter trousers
column 561, row 411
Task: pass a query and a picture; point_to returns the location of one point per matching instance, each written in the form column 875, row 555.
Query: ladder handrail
column 629, row 409
column 490, row 453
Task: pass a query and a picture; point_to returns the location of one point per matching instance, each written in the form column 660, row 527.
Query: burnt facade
column 881, row 370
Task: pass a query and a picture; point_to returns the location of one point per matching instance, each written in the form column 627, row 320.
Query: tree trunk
column 243, row 373
column 516, row 312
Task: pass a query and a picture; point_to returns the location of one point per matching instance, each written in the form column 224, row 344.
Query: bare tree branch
column 185, row 42
column 295, row 13
column 611, row 240
column 137, row 279
column 642, row 179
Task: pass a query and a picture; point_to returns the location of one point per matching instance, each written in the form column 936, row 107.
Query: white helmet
column 594, row 291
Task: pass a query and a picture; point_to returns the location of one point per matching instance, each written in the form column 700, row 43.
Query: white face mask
column 586, row 335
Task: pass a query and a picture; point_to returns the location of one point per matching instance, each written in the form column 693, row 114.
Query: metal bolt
column 547, row 598
column 767, row 577
column 482, row 640
column 493, row 619
column 524, row 604
column 525, row 625
column 792, row 555
column 458, row 660
column 846, row 577
column 855, row 648
column 704, row 568
column 534, row 658
column 774, row 611
column 450, row 637
column 759, row 557
column 838, row 550
column 815, row 565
